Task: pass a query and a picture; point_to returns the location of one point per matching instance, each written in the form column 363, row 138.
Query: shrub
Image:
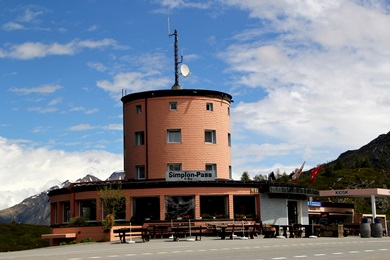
column 77, row 222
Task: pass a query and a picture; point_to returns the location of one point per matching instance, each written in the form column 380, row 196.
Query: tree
column 113, row 200
column 245, row 177
column 259, row 177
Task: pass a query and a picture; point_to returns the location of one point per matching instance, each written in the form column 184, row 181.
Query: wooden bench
column 56, row 239
column 136, row 232
column 232, row 230
column 184, row 231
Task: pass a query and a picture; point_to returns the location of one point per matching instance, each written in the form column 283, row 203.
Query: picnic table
column 184, row 231
column 229, row 230
column 135, row 232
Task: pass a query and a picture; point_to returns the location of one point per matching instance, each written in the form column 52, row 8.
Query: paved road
column 351, row 247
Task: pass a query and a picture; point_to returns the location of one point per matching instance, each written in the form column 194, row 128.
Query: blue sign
column 314, row 203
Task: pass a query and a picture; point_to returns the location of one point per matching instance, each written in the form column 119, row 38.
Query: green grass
column 15, row 237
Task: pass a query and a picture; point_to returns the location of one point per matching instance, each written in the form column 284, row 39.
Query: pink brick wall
column 193, row 119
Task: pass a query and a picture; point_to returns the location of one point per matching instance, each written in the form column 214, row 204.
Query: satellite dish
column 185, row 71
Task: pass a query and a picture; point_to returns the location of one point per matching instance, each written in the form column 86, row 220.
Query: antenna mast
column 177, row 62
column 184, row 68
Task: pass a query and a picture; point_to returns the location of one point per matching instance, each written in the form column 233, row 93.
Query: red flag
column 296, row 175
column 314, row 173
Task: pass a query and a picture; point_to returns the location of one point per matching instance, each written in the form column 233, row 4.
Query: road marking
column 95, row 257
column 146, row 253
column 368, row 250
column 113, row 256
column 162, row 252
column 338, row 253
column 130, row 255
column 383, row 249
column 319, row 254
column 300, row 256
column 279, row 258
column 353, row 252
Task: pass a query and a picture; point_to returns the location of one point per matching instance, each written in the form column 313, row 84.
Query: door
column 292, row 210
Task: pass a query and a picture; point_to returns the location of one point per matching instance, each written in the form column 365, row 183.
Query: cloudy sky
column 310, row 80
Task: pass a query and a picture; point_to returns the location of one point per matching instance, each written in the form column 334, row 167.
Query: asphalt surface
column 352, row 247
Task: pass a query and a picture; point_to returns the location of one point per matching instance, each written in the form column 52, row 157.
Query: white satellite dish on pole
column 184, row 70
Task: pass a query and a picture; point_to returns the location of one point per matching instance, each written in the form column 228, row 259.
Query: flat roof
column 377, row 192
column 176, row 92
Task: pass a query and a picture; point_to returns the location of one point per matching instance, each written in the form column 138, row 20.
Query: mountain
column 375, row 154
column 36, row 209
column 366, row 167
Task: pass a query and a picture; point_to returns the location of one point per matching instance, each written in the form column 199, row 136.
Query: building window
column 174, row 167
column 66, row 212
column 230, row 172
column 174, row 136
column 172, row 105
column 209, row 107
column 229, row 140
column 211, row 167
column 210, row 136
column 114, row 204
column 139, row 138
column 229, row 111
column 140, row 172
column 138, row 109
column 88, row 209
column 179, row 206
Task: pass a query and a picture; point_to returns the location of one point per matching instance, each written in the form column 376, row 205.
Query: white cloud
column 44, row 89
column 84, row 127
column 97, row 66
column 42, row 110
column 26, row 170
column 30, row 14
column 133, row 81
column 32, row 50
column 81, row 127
column 12, row 26
column 325, row 76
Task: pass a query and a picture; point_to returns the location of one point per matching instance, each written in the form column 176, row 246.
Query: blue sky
column 310, row 80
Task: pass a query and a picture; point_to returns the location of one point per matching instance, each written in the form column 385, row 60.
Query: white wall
column 274, row 210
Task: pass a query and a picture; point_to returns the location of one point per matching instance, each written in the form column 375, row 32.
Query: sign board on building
column 190, row 176
column 314, row 203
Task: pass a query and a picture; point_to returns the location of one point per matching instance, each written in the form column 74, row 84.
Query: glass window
column 66, row 211
column 88, row 209
column 211, row 167
column 214, row 207
column 174, row 136
column 244, row 206
column 139, row 138
column 209, row 106
column 172, row 105
column 179, row 207
column 140, row 172
column 174, row 167
column 230, row 172
column 229, row 140
column 138, row 109
column 120, row 207
column 210, row 136
column 145, row 208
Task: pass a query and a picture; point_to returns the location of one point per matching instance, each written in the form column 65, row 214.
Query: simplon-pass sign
column 190, row 176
